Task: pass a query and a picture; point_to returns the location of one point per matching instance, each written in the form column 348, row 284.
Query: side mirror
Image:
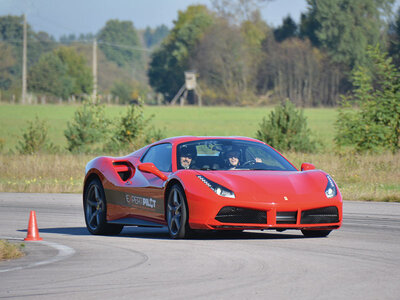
column 307, row 166
column 151, row 168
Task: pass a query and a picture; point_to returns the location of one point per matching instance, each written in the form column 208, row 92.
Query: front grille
column 328, row 214
column 231, row 214
column 286, row 217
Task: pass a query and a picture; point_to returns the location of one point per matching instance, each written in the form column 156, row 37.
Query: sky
column 63, row 17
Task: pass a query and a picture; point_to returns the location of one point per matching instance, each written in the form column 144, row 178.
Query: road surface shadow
column 63, row 230
column 162, row 233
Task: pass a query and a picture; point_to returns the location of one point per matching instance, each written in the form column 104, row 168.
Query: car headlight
column 330, row 190
column 217, row 188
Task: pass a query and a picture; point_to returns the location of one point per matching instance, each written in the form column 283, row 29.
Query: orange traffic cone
column 33, row 231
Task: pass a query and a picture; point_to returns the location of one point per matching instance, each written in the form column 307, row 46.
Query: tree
column 7, row 61
column 128, row 92
column 295, row 70
column 287, row 30
column 344, row 28
column 254, row 31
column 71, row 38
column 91, row 131
column 376, row 123
column 286, row 129
column 49, row 76
column 309, row 27
column 153, row 37
column 88, row 130
column 394, row 39
column 11, row 33
column 223, row 62
column 123, row 91
column 168, row 63
column 120, row 42
column 68, row 39
column 77, row 69
column 237, row 11
column 61, row 73
column 35, row 138
column 130, row 131
column 108, row 72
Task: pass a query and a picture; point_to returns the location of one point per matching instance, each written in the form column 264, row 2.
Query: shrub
column 92, row 132
column 131, row 130
column 286, row 129
column 35, row 139
column 89, row 128
column 375, row 124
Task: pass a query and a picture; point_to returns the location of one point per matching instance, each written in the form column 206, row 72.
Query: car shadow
column 246, row 235
column 162, row 233
column 63, row 230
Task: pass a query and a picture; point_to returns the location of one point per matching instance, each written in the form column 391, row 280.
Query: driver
column 187, row 155
column 232, row 157
column 233, row 161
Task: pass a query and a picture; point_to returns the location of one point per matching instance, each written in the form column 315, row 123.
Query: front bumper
column 221, row 213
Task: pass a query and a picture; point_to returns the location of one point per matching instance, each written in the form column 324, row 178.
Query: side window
column 160, row 156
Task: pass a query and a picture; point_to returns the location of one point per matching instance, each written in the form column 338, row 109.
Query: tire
column 316, row 233
column 95, row 209
column 177, row 213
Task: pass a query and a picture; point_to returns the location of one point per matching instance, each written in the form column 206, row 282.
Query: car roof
column 188, row 138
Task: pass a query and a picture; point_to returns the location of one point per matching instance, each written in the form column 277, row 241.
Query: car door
column 151, row 194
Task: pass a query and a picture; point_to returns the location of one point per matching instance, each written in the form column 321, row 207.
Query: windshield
column 228, row 154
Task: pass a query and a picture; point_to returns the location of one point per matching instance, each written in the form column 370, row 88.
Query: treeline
column 239, row 58
column 62, row 70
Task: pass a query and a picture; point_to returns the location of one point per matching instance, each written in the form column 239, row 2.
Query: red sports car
column 215, row 183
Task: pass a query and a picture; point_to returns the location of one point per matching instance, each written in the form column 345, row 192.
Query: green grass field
column 240, row 121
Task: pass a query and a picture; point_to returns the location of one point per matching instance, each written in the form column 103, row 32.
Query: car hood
column 278, row 186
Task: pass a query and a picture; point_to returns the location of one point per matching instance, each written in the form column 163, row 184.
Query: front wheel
column 95, row 208
column 316, row 233
column 177, row 213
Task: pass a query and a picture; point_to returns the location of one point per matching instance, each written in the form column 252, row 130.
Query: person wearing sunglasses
column 186, row 159
column 233, row 159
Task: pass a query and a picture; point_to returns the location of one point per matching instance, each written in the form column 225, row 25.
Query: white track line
column 63, row 253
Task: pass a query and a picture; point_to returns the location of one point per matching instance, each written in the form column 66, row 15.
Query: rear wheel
column 316, row 233
column 177, row 213
column 95, row 209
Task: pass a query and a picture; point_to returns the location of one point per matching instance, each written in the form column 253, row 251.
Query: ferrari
column 191, row 183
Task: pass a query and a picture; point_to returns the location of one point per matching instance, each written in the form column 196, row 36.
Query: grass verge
column 364, row 177
column 42, row 173
column 359, row 177
column 10, row 250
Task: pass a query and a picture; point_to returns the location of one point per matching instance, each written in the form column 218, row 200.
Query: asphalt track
column 359, row 261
